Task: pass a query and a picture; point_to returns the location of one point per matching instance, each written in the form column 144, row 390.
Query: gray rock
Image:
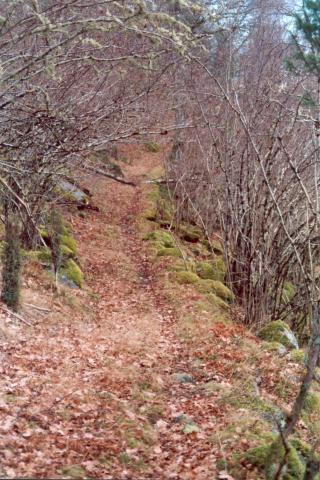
column 183, row 378
column 64, row 280
column 291, row 338
column 282, row 351
column 182, row 419
column 276, row 418
column 75, row 192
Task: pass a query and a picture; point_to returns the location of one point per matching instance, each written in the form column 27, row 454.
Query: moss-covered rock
column 298, row 356
column 216, row 287
column 181, row 264
column 73, row 272
column 150, row 214
column 279, row 331
column 212, row 271
column 186, row 278
column 69, row 242
column 217, row 247
column 190, row 234
column 217, row 301
column 67, row 252
column 164, row 238
column 169, row 252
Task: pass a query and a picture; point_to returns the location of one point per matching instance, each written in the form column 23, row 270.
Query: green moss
column 164, row 238
column 298, row 356
column 44, row 233
column 217, row 247
column 212, row 271
column 278, row 331
column 43, row 255
column 169, row 252
column 189, row 233
column 249, row 426
column 69, row 242
column 294, row 469
column 66, row 251
column 216, row 287
column 154, row 195
column 160, row 209
column 205, row 270
column 217, row 301
column 268, row 457
column 150, row 214
column 186, row 278
column 258, row 456
column 165, row 212
column 248, row 400
column 302, row 447
column 180, row 264
column 312, row 404
column 152, row 147
column 288, row 292
column 73, row 272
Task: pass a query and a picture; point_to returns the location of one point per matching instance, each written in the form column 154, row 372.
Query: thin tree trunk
column 313, row 357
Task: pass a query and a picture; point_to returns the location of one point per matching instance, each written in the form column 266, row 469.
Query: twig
column 283, row 462
column 110, row 175
column 19, row 317
column 37, row 308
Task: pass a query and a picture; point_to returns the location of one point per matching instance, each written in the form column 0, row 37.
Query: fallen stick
column 16, row 315
column 110, row 175
column 38, row 308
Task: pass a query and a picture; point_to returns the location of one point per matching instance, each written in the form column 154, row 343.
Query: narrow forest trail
column 144, row 350
column 90, row 391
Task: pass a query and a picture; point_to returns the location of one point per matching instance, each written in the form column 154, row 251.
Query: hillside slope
column 136, row 376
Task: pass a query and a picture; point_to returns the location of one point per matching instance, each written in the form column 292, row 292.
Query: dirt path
column 90, row 391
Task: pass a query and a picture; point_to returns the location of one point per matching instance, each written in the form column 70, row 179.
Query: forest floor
column 123, row 379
